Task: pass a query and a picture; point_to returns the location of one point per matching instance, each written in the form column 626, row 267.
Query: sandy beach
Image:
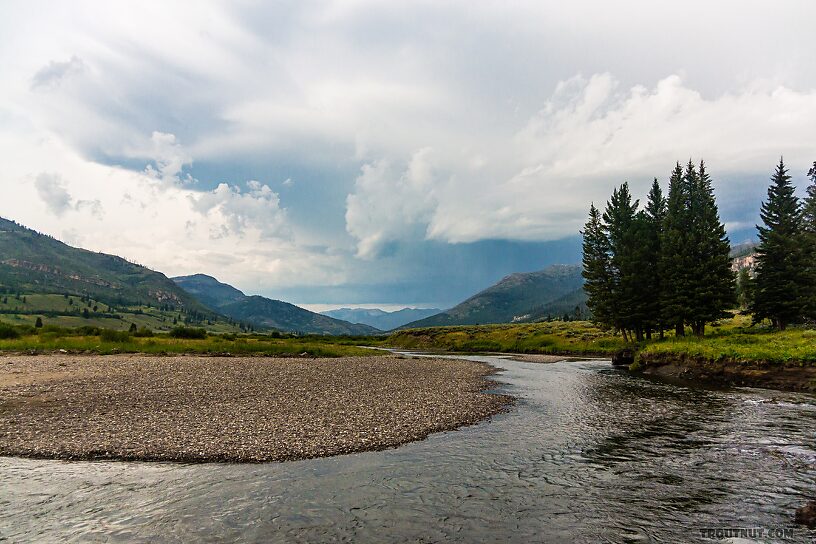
column 232, row 409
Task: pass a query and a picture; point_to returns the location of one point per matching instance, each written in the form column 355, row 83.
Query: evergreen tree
column 779, row 274
column 674, row 255
column 711, row 284
column 809, row 246
column 596, row 272
column 745, row 289
column 620, row 227
column 655, row 216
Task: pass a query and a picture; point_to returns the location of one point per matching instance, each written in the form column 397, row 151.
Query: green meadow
column 72, row 311
column 734, row 339
column 106, row 341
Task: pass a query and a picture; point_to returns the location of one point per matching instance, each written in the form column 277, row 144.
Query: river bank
column 734, row 353
column 790, row 376
column 233, row 409
column 589, row 453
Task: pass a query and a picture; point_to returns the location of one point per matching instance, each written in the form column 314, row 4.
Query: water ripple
column 588, row 454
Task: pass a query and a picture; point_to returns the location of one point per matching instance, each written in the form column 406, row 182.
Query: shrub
column 8, row 332
column 143, row 332
column 188, row 332
column 108, row 335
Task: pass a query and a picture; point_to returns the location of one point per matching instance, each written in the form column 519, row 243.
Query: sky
column 385, row 153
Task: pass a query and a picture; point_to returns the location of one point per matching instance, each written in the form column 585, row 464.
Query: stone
column 624, row 357
column 806, row 515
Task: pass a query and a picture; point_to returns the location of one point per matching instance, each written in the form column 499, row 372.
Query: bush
column 7, row 332
column 108, row 335
column 143, row 332
column 188, row 332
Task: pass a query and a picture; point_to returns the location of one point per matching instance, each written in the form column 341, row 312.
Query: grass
column 66, row 311
column 51, row 339
column 573, row 337
column 733, row 339
column 743, row 345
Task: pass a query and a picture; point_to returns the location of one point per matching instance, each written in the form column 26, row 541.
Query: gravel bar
column 232, row 409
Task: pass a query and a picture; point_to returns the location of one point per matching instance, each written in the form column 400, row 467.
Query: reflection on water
column 588, row 454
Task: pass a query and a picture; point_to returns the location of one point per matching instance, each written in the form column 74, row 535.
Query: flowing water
column 588, row 454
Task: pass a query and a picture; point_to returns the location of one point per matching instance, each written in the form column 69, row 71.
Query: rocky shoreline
column 232, row 409
column 791, row 376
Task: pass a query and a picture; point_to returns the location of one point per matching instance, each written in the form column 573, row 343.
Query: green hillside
column 70, row 311
column 34, row 263
column 208, row 290
column 263, row 312
column 520, row 297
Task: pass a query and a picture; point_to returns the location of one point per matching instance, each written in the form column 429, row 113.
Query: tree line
column 667, row 265
column 784, row 288
column 661, row 267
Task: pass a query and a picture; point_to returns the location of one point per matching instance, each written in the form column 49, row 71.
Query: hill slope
column 517, row 297
column 379, row 319
column 35, row 263
column 264, row 312
column 208, row 290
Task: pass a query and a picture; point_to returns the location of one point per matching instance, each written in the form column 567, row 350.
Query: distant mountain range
column 264, row 312
column 31, row 262
column 520, row 297
column 379, row 319
column 34, row 263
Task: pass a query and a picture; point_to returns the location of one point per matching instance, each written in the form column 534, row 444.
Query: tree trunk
column 679, row 330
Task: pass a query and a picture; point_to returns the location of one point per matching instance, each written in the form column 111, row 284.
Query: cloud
column 51, row 190
column 389, row 204
column 258, row 208
column 54, row 73
column 169, row 158
column 405, row 125
column 588, row 136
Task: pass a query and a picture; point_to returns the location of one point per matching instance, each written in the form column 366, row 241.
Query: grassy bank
column 742, row 345
column 107, row 342
column 556, row 337
column 731, row 339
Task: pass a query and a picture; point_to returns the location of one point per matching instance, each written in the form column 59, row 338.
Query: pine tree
column 655, row 216
column 674, row 253
column 620, row 227
column 596, row 272
column 809, row 246
column 745, row 289
column 711, row 284
column 779, row 274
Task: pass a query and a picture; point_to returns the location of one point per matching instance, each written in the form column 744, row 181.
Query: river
column 588, row 453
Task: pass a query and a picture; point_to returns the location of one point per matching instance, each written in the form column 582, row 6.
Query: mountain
column 209, row 290
column 518, row 297
column 31, row 262
column 264, row 312
column 379, row 319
